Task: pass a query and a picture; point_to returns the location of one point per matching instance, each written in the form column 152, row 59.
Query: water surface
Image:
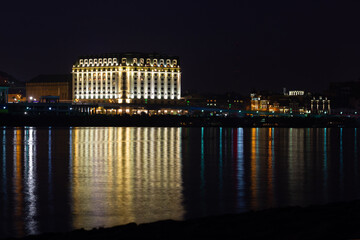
column 59, row 179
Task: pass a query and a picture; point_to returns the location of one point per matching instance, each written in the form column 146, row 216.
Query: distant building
column 126, row 77
column 16, row 98
column 345, row 95
column 14, row 87
column 49, row 85
column 4, row 89
column 296, row 102
column 320, row 105
column 296, row 93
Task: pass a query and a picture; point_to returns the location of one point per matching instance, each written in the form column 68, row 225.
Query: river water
column 60, row 179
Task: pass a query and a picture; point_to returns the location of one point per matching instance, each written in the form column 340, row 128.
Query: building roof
column 51, row 78
column 128, row 55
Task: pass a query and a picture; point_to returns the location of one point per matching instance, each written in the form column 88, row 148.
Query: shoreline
column 174, row 121
column 339, row 220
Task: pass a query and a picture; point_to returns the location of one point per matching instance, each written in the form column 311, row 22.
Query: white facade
column 125, row 77
column 296, row 93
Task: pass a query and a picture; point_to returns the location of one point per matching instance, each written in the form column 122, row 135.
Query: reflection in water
column 240, row 170
column 325, row 162
column 30, row 181
column 50, row 182
column 17, row 181
column 221, row 160
column 270, row 166
column 122, row 175
column 341, row 159
column 254, row 153
column 4, row 189
column 91, row 177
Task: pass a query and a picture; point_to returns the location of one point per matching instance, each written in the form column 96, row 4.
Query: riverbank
column 330, row 221
column 174, row 121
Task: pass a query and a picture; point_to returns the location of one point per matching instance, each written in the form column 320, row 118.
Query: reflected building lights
column 30, row 188
column 50, row 194
column 325, row 164
column 4, row 190
column 270, row 166
column 240, row 175
column 17, row 182
column 133, row 175
column 4, row 178
column 296, row 164
column 202, row 164
column 220, row 161
column 253, row 170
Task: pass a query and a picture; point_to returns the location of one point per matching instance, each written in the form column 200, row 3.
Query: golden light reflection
column 270, row 166
column 18, row 196
column 296, row 163
column 253, row 185
column 123, row 175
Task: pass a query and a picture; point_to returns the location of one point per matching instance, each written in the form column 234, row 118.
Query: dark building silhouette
column 345, row 95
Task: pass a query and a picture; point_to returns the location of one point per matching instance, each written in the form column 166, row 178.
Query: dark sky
column 223, row 45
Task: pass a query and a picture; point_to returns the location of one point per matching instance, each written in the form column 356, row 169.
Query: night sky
column 223, row 45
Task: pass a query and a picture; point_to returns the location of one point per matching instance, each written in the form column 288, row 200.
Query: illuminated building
column 295, row 102
column 320, row 105
column 259, row 103
column 125, row 78
column 255, row 102
column 296, row 93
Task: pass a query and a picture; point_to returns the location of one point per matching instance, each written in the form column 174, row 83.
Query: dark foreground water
column 59, row 179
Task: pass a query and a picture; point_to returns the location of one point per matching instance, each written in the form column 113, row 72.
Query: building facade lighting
column 126, row 77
